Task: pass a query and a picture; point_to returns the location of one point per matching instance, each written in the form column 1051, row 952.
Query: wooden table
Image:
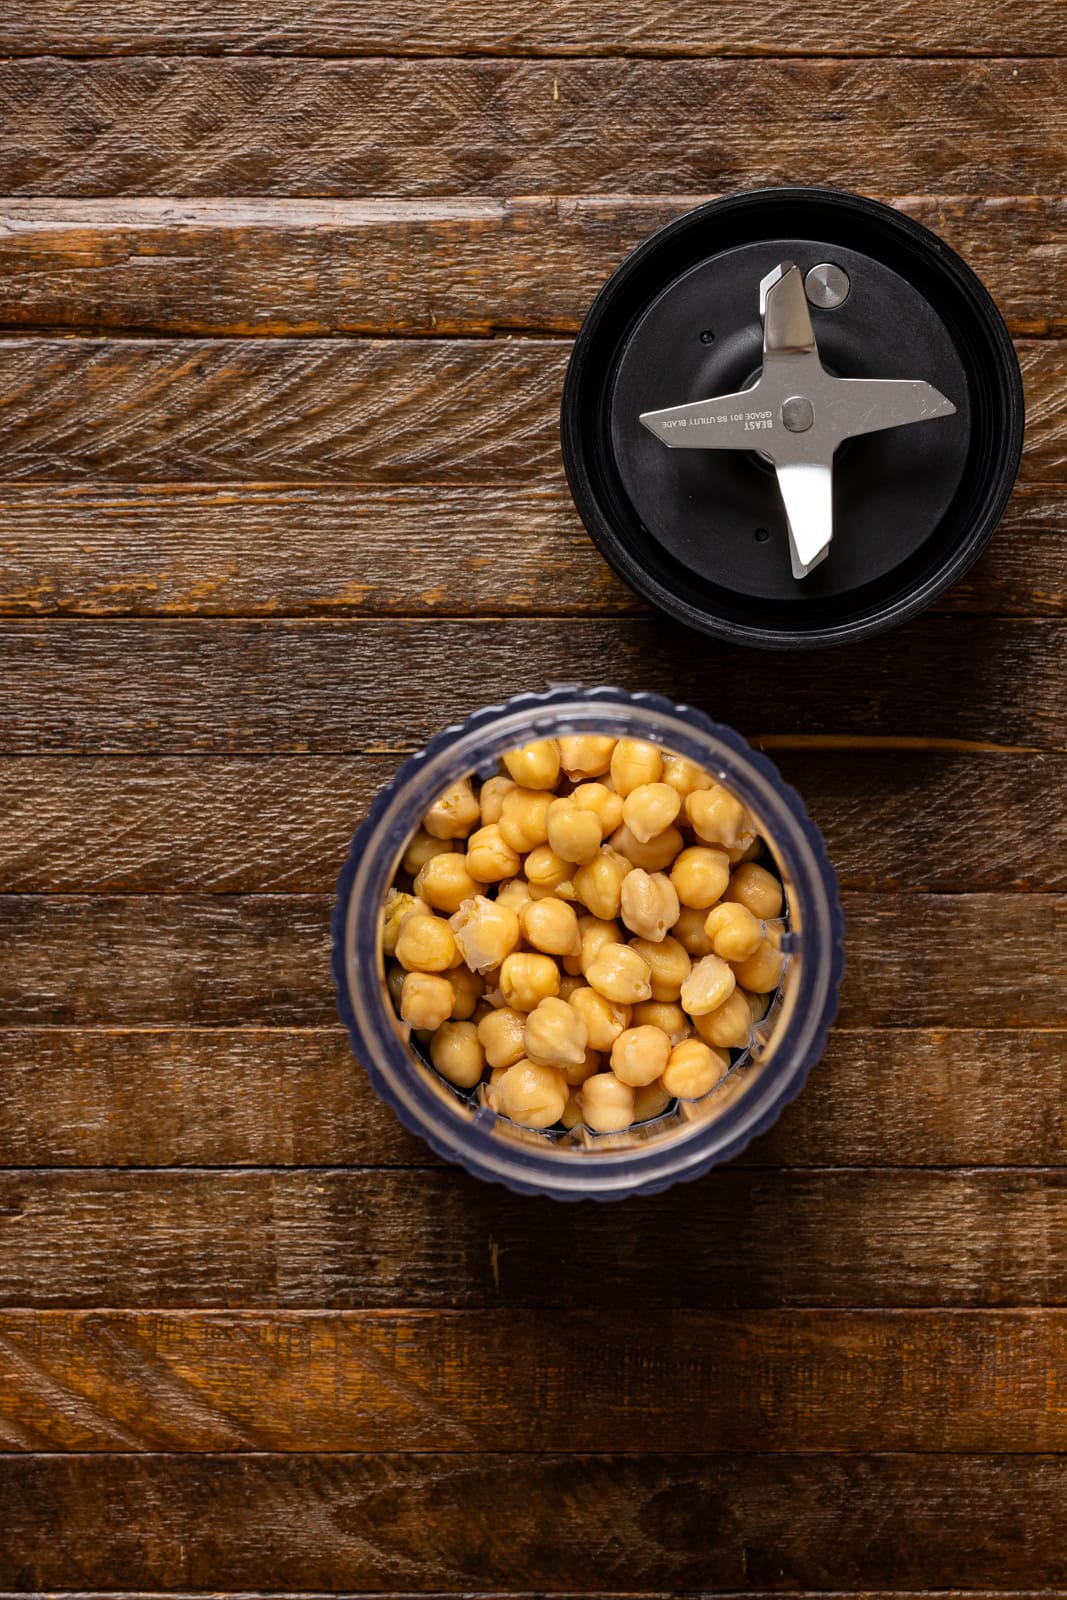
column 287, row 291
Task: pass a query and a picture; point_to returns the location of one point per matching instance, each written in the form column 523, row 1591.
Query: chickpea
column 649, row 904
column 445, row 882
column 758, row 1005
column 397, row 906
column 654, row 856
column 485, row 932
column 552, row 926
column 756, row 889
column 607, row 1103
column 640, row 1055
column 634, row 762
column 728, row 1025
column 716, row 815
column 516, row 893
column 708, row 985
column 489, row 856
column 454, row 813
column 502, row 1036
column 533, row 1095
column 650, row 1101
column 394, row 982
column 689, row 931
column 425, row 944
column 700, row 875
column 620, row 973
column 426, row 1000
column 568, row 983
column 684, row 775
column 577, row 1073
column 527, row 978
column 457, row 1055
column 546, row 869
column 571, row 1116
column 482, row 1010
column 573, row 833
column 649, row 809
column 603, row 802
column 523, row 818
column 535, row 765
column 667, row 1015
column 669, row 965
column 693, row 1069
column 598, row 884
column 586, row 755
column 604, row 1019
column 491, row 798
column 556, row 1035
column 762, row 971
column 733, row 930
column 422, row 847
column 595, row 932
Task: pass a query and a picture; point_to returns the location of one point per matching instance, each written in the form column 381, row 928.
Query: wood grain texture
column 227, row 960
column 506, row 1380
column 462, row 266
column 359, row 1239
column 364, row 128
column 527, row 27
column 220, row 687
column 325, row 410
column 691, row 1522
column 163, row 1097
column 179, row 549
column 909, row 820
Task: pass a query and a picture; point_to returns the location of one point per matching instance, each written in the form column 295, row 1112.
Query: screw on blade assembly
column 796, row 414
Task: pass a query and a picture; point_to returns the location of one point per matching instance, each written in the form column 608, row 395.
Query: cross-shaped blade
column 796, row 414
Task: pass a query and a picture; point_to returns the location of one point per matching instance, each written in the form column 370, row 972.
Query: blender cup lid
column 792, row 417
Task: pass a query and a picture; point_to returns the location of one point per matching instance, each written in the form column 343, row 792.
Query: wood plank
column 704, row 1523
column 357, row 128
column 226, row 960
column 167, row 550
column 929, row 820
column 529, row 27
column 358, row 1239
column 215, row 1097
column 314, row 267
column 235, row 687
column 522, row 1380
column 377, row 411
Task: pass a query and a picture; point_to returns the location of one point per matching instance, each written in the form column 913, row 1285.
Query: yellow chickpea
column 527, row 978
column 489, row 856
column 426, row 1000
column 422, row 847
column 689, row 931
column 598, row 884
column 556, row 1035
column 397, row 906
column 734, row 932
column 552, row 926
column 651, row 1101
column 762, row 972
column 603, row 802
column 758, row 1006
column 668, row 963
column 756, row 889
column 700, row 875
column 607, row 1103
column 533, row 1095
column 709, row 984
column 684, row 775
column 485, row 932
column 425, row 944
column 595, row 932
column 394, row 982
column 654, row 856
column 546, row 869
column 467, row 987
column 716, row 815
column 667, row 1015
column 640, row 1056
column 586, row 755
column 535, row 765
column 649, row 904
column 726, row 1027
column 620, row 973
column 491, row 798
column 516, row 893
column 576, row 1073
column 572, row 1112
column 454, row 813
column 457, row 1055
column 523, row 818
column 568, row 983
column 693, row 1069
column 604, row 1019
column 445, row 882
column 573, row 833
column 501, row 1035
column 634, row 762
column 649, row 809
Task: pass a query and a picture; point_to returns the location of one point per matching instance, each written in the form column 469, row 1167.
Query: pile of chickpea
column 587, row 934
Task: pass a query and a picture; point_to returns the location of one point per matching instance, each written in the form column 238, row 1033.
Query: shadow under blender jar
column 792, row 418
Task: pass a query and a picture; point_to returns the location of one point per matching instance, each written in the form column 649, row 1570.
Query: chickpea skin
column 726, row 1027
column 668, row 964
column 693, row 1069
column 527, row 978
column 573, row 833
column 556, row 1035
column 667, row 1015
column 649, row 809
column 485, row 932
column 756, row 889
column 634, row 762
column 649, row 904
column 620, row 973
column 598, row 884
column 700, row 875
column 762, row 972
column 524, row 818
column 709, row 984
column 607, row 1103
column 454, row 813
column 490, row 858
column 502, row 1036
column 533, row 1095
column 734, row 932
column 604, row 1019
column 426, row 1000
column 534, row 765
column 425, row 944
column 586, row 755
column 445, row 882
column 639, row 1056
column 551, row 926
column 715, row 815
column 457, row 1055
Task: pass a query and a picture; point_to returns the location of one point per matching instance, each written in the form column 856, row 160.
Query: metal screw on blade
column 796, row 415
column 827, row 286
